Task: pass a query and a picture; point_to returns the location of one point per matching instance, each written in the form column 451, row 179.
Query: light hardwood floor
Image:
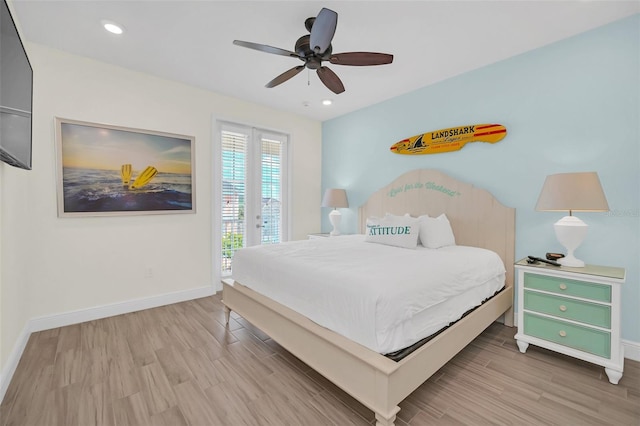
column 179, row 365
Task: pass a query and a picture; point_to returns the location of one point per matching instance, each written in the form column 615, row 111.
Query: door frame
column 216, row 180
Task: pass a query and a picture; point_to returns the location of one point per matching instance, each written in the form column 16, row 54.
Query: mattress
column 382, row 297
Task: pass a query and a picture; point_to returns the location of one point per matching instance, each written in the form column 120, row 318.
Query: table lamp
column 336, row 198
column 572, row 192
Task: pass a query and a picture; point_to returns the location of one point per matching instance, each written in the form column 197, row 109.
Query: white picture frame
column 106, row 170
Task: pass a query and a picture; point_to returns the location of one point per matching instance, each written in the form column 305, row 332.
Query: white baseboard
column 14, row 358
column 90, row 314
column 631, row 350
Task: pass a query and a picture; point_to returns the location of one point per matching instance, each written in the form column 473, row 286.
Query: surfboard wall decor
column 447, row 140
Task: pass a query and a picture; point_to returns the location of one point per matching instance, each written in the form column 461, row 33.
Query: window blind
column 234, row 155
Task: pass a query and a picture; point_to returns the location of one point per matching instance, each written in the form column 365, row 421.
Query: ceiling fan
column 314, row 48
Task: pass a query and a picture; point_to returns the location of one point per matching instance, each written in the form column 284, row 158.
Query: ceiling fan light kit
column 314, row 48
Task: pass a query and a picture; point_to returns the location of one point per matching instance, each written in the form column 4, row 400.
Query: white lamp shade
column 336, row 198
column 572, row 192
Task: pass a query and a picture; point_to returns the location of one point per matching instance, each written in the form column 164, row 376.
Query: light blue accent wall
column 568, row 107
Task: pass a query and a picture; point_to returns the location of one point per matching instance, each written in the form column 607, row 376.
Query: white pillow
column 399, row 231
column 436, row 232
column 420, row 221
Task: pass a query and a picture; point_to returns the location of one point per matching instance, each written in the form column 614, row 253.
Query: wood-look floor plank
column 95, row 406
column 31, row 396
column 92, row 335
column 180, row 365
column 325, row 403
column 68, row 367
column 69, row 338
column 159, row 338
column 95, row 365
column 203, row 369
column 244, row 360
column 119, row 352
column 285, row 377
column 174, row 365
column 131, row 410
column 195, row 406
column 122, row 380
column 65, row 405
column 141, row 349
column 155, row 388
column 181, row 337
column 342, row 396
column 278, row 408
column 230, row 406
column 171, row 417
column 236, row 377
column 424, row 419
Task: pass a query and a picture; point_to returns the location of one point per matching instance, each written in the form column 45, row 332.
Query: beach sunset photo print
column 109, row 170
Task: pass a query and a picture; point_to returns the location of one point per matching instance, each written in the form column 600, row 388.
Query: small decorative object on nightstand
column 573, row 311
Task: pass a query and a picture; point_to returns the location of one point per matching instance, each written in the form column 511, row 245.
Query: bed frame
column 379, row 383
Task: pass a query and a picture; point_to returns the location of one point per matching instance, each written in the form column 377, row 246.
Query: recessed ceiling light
column 112, row 27
column 327, row 102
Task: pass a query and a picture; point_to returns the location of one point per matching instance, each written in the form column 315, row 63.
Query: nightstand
column 573, row 311
column 321, row 235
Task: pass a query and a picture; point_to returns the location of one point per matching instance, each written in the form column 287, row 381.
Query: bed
column 378, row 382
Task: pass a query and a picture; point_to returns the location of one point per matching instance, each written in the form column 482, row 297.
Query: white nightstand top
column 595, row 270
column 318, row 235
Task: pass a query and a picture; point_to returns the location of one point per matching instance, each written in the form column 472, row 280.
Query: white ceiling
column 191, row 41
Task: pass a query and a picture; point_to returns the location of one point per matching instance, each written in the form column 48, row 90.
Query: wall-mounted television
column 16, row 94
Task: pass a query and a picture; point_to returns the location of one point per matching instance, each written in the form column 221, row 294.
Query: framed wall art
column 108, row 170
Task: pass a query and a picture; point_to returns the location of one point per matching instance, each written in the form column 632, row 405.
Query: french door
column 253, row 180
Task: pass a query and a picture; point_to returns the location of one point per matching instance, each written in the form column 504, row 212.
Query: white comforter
column 370, row 293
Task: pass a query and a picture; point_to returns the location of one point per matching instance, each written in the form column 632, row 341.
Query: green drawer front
column 562, row 307
column 567, row 287
column 582, row 338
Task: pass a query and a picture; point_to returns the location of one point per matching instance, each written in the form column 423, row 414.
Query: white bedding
column 385, row 298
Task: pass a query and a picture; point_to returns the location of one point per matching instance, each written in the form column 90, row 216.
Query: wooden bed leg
column 227, row 314
column 387, row 421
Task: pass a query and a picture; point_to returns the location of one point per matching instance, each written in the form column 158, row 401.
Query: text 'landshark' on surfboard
column 448, row 140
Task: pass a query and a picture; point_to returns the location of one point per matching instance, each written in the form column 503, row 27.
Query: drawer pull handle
column 562, row 333
column 563, row 308
column 563, row 286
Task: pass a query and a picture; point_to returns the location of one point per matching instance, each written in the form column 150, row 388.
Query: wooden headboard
column 478, row 219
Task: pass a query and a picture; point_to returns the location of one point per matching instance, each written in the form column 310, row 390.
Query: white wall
column 54, row 265
column 14, row 268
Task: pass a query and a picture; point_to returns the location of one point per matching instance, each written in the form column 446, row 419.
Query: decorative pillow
column 399, row 231
column 436, row 232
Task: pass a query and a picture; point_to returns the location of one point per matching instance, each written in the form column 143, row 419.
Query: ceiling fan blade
column 331, row 80
column 361, row 58
column 323, row 29
column 265, row 48
column 285, row 76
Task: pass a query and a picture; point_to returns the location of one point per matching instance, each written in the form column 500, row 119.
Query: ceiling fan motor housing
column 303, row 48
